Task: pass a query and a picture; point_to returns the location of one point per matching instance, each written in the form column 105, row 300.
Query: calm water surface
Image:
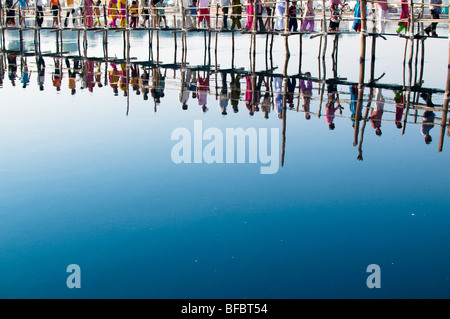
column 88, row 179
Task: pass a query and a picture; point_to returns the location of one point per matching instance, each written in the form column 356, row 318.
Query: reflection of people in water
column 249, row 94
column 266, row 103
column 427, row 118
column 279, row 96
column 25, row 79
column 193, row 85
column 41, row 72
column 427, row 125
column 90, row 75
column 158, row 81
column 144, row 83
column 57, row 75
column 12, row 68
column 134, row 81
column 331, row 108
column 377, row 112
column 291, row 84
column 399, row 107
column 306, row 90
column 2, row 70
column 72, row 76
column 353, row 102
column 98, row 74
column 114, row 79
column 224, row 97
column 257, row 93
column 202, row 90
column 235, row 86
column 123, row 82
column 185, row 78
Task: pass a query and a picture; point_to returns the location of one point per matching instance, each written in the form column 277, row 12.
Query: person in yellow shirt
column 134, row 12
column 122, row 6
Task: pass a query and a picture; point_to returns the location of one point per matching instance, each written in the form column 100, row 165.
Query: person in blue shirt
column 357, row 14
column 193, row 11
column 25, row 79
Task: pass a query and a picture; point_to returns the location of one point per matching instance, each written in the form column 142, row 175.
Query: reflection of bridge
column 413, row 63
column 291, row 99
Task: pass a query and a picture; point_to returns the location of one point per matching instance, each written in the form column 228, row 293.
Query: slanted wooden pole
column 283, row 129
column 446, row 100
column 362, row 62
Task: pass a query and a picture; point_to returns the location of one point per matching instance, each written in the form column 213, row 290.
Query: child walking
column 293, row 24
column 193, row 12
column 134, row 12
column 97, row 22
column 334, row 19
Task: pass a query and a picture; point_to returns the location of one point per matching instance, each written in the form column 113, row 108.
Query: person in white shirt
column 70, row 10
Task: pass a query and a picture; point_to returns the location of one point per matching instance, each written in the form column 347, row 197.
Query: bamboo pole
column 362, row 61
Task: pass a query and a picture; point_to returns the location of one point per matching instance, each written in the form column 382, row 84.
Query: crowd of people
column 261, row 15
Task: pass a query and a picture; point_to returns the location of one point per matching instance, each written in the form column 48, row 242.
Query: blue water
column 83, row 182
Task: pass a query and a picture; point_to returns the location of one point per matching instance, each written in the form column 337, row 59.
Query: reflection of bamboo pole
column 362, row 61
column 157, row 46
column 128, row 65
column 300, row 51
column 215, row 50
column 254, row 51
column 419, row 81
column 209, row 47
column 283, row 130
column 408, row 91
column 446, row 101
column 360, row 157
column 265, row 52
column 232, row 49
column 175, row 39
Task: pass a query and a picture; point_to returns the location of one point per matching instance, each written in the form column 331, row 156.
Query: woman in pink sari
column 250, row 11
column 404, row 17
column 113, row 13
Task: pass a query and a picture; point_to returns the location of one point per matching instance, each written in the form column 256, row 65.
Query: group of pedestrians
column 280, row 15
